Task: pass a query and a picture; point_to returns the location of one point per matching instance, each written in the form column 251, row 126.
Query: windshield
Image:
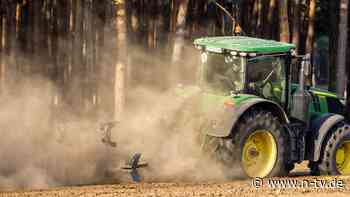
column 222, row 74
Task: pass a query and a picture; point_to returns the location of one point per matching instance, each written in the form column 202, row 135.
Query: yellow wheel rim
column 259, row 154
column 342, row 158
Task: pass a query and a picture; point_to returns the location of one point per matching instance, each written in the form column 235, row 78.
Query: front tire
column 263, row 145
column 336, row 153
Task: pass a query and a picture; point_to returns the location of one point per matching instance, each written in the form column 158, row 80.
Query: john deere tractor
column 261, row 114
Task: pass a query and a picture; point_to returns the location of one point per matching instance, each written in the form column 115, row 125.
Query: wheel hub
column 259, row 154
column 253, row 152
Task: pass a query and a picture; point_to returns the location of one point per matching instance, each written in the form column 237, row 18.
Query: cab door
column 266, row 77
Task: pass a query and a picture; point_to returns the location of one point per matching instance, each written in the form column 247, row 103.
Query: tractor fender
column 232, row 116
column 319, row 129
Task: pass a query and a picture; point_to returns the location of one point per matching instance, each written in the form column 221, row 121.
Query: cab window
column 266, row 77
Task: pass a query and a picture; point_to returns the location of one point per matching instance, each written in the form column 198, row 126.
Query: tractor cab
column 243, row 65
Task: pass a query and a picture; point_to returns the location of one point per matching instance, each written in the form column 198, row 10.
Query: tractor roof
column 244, row 44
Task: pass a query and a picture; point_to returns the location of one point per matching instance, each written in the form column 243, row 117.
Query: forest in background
column 95, row 51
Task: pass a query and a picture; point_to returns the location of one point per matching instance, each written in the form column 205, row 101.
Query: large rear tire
column 263, row 145
column 336, row 152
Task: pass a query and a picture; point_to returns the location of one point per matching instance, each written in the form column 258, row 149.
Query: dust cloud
column 167, row 134
column 37, row 153
column 32, row 152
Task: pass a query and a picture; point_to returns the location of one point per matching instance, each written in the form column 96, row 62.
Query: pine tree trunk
column 88, row 58
column 333, row 42
column 180, row 30
column 342, row 44
column 2, row 67
column 77, row 65
column 270, row 18
column 284, row 23
column 179, row 40
column 105, row 64
column 43, row 26
column 24, row 30
column 259, row 18
column 54, row 59
column 255, row 17
column 296, row 24
column 311, row 27
column 37, row 45
column 310, row 79
column 65, row 15
column 120, row 67
column 264, row 20
column 11, row 47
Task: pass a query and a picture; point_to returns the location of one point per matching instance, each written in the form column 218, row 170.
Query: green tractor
column 261, row 114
